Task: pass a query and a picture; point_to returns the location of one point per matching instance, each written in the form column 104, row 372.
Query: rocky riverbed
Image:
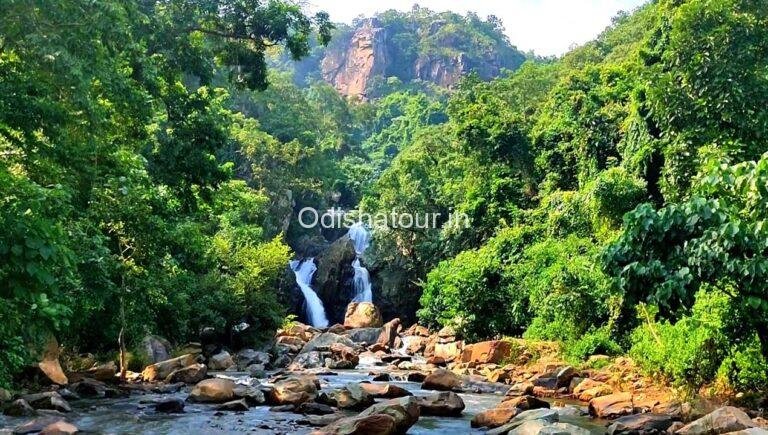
column 367, row 379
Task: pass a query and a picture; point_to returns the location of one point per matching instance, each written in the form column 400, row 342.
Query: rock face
column 362, row 315
column 333, row 279
column 375, row 49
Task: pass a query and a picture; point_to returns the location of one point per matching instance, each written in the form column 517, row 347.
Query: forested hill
column 418, row 45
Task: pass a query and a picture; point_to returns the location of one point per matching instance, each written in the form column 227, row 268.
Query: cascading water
column 361, row 238
column 304, row 271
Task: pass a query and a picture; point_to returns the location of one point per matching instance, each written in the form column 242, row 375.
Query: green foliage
column 598, row 341
column 745, row 369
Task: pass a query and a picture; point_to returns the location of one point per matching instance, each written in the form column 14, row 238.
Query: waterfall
column 361, row 237
column 304, row 271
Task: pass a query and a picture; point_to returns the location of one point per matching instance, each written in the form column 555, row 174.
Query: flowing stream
column 361, row 238
column 304, row 271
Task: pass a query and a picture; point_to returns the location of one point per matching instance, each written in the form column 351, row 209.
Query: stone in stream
column 221, row 361
column 188, row 375
column 363, row 335
column 612, row 406
column 541, row 417
column 251, row 394
column 216, row 390
column 377, row 424
column 234, row 406
column 389, row 333
column 246, row 357
column 155, row 348
column 564, row 376
column 48, row 400
column 415, row 377
column 363, row 315
column 36, row 425
column 171, row 405
column 294, row 391
column 588, row 389
column 495, row 417
column 405, row 411
column 257, row 371
column 442, row 380
column 538, row 427
column 525, row 403
column 19, row 408
column 641, row 423
column 90, row 388
column 387, row 391
column 442, row 404
column 381, row 377
column 344, row 353
column 103, row 372
column 520, row 389
column 353, row 397
column 324, row 341
column 721, row 420
column 60, row 428
column 161, row 370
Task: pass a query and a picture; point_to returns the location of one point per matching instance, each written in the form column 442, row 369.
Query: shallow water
column 135, row 414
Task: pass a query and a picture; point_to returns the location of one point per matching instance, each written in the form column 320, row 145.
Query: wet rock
column 307, row 360
column 314, row 408
column 494, row 417
column 324, row 341
column 486, row 352
column 257, row 371
column 389, row 333
column 564, row 376
column 19, row 408
column 719, row 421
column 362, row 315
column 416, row 377
column 588, row 389
column 283, row 408
column 382, row 377
column 251, row 394
column 363, row 335
column 353, row 397
column 443, row 404
column 281, row 361
column 376, row 424
column 641, row 424
column 442, row 380
column 36, row 425
column 155, row 348
column 161, row 370
column 294, row 391
column 520, row 389
column 221, row 361
column 347, row 354
column 90, row 388
column 171, row 405
column 525, row 403
column 68, row 395
column 188, row 375
column 324, row 420
column 538, row 427
column 103, row 372
column 415, row 344
column 387, row 391
column 750, row 431
column 48, row 400
column 405, row 411
column 611, row 406
column 60, row 428
column 247, row 357
column 233, row 406
column 539, row 417
column 216, row 390
column 326, row 399
column 168, row 388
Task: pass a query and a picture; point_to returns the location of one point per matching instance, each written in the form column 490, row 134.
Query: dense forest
column 155, row 153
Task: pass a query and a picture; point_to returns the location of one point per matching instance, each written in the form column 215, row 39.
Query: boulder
column 221, row 361
column 324, row 341
column 48, row 400
column 103, row 372
column 353, row 397
column 364, row 335
column 19, row 408
column 376, row 424
column 293, row 391
column 307, row 360
column 162, row 369
column 234, row 405
column 386, row 391
column 486, row 352
column 442, row 380
column 49, row 365
column 302, row 332
column 60, row 428
column 37, row 424
column 362, row 315
column 155, row 348
column 641, row 424
column 251, row 394
column 188, row 375
column 415, row 344
column 611, row 406
column 722, row 420
column 525, row 403
column 520, row 389
column 442, row 404
column 257, row 371
column 416, row 330
column 564, row 376
column 541, row 417
column 345, row 353
column 537, row 427
column 92, row 388
column 494, row 417
column 389, row 333
column 247, row 357
column 216, row 390
column 449, row 351
column 405, row 411
column 588, row 389
column 314, row 408
column 171, row 405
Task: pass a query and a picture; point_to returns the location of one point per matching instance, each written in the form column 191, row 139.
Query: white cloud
column 545, row 26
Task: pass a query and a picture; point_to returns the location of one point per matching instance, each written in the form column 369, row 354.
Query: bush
column 595, row 342
column 615, row 192
column 745, row 369
column 688, row 352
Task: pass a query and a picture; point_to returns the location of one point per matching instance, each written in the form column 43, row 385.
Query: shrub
column 595, row 342
column 745, row 369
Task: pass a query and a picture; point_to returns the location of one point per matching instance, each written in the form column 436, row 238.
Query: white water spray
column 304, row 271
column 361, row 238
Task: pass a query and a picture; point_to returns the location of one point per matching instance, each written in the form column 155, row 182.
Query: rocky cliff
column 419, row 45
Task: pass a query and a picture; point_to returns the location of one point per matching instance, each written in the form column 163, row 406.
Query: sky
column 546, row 27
